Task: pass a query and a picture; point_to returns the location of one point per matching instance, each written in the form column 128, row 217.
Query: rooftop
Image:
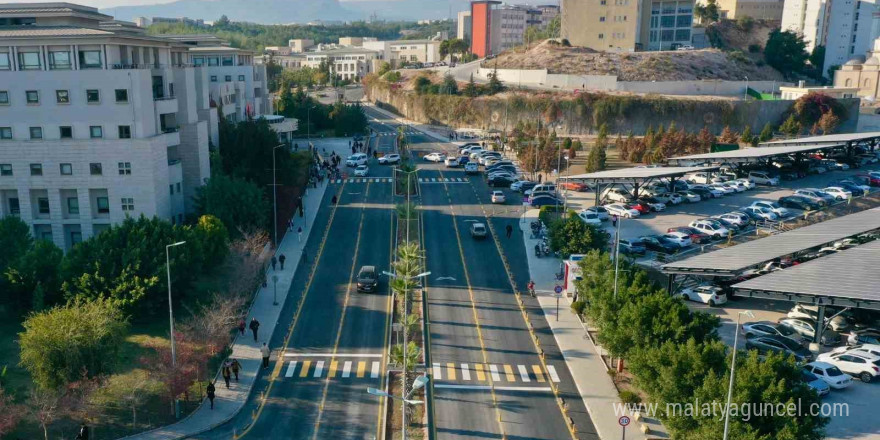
column 749, row 154
column 217, row 49
column 629, row 174
column 49, row 31
column 50, row 9
column 734, row 260
column 828, row 139
column 341, row 50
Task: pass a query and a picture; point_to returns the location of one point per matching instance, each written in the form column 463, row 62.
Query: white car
column 600, row 211
column 361, row 171
column 435, row 157
column 746, row 183
column 762, row 178
column 389, row 159
column 451, row 162
column 762, row 213
column 498, row 197
column 590, row 218
column 862, row 365
column 714, row 191
column 736, row 218
column 675, row 198
column 711, row 295
column 689, row 197
column 484, row 159
column 680, row 238
column 723, row 188
column 621, row 210
column 734, row 185
column 712, row 228
column 829, row 374
column 838, row 192
column 873, row 349
column 516, row 186
column 356, row 159
column 774, row 207
column 470, row 150
column 617, row 195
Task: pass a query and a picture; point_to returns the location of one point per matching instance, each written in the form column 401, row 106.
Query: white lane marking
column 465, row 372
column 445, row 279
column 487, row 387
column 421, row 180
column 290, row 368
column 352, row 355
column 319, row 369
column 552, row 370
column 495, row 376
column 346, row 369
column 375, row 373
column 437, row 370
column 523, row 373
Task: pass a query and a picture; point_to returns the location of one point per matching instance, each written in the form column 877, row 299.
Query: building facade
column 757, row 9
column 627, row 25
column 399, row 52
column 794, row 93
column 346, row 63
column 496, row 27
column 463, row 31
column 865, row 76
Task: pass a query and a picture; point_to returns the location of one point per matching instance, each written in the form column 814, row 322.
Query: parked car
column 734, row 185
column 710, row 227
column 631, row 247
column 737, row 218
column 654, row 203
column 451, row 162
column 838, row 193
column 617, row 195
column 851, row 186
column 862, row 365
column 361, row 171
column 837, row 323
column 725, row 190
column 706, row 192
column 543, row 187
column 478, row 230
column 659, row 243
column 389, row 159
column 621, row 210
column 675, row 198
column 774, row 207
column 689, row 196
column 779, row 344
column 829, row 374
column 873, row 349
column 498, row 197
column 807, row 329
column 545, row 200
column 711, row 295
column 435, row 157
column 642, row 207
column 680, row 238
column 799, row 202
column 697, row 236
column 746, row 183
column 599, row 211
column 816, row 194
column 762, row 178
column 766, row 328
column 523, row 185
column 574, row 186
column 356, row 159
column 735, row 227
column 500, row 181
column 759, row 214
column 367, row 279
column 867, row 179
column 818, row 385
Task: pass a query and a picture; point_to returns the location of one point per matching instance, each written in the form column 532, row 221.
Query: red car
column 869, row 179
column 695, row 234
column 573, row 186
column 643, row 208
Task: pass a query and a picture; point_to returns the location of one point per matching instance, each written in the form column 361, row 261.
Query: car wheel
column 749, row 335
column 711, row 303
column 865, row 377
column 685, row 297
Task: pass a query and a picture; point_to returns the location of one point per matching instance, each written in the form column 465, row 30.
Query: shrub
column 630, row 397
column 578, row 307
column 549, row 214
column 755, row 48
column 574, row 236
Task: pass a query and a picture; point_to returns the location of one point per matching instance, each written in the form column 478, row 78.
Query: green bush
column 574, row 236
column 549, row 214
column 630, row 397
column 755, row 48
column 578, row 307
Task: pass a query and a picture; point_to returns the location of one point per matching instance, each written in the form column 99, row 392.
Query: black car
column 501, row 181
column 798, row 202
column 779, row 344
column 634, row 247
column 367, row 279
column 728, row 224
column 704, row 193
column 658, row 243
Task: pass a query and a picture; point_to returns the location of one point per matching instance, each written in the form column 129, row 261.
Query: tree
column 177, row 376
column 766, row 133
column 785, row 51
column 791, row 126
column 384, row 68
column 10, row 413
column 573, row 236
column 223, row 21
column 58, row 345
column 705, row 141
column 444, row 48
column 35, row 271
column 450, row 86
column 286, row 105
column 15, row 240
column 707, row 13
column 597, row 156
column 470, row 90
column 495, row 85
column 817, row 60
column 132, row 390
column 212, row 238
column 746, row 136
column 421, row 85
column 728, row 136
column 828, row 123
column 808, row 109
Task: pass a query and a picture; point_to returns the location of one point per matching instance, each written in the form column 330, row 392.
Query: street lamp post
column 617, row 254
column 275, row 196
column 746, row 93
column 274, row 290
column 170, row 309
column 732, row 368
column 420, row 382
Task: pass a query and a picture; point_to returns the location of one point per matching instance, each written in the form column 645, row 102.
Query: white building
column 411, row 51
column 846, row 28
column 348, row 63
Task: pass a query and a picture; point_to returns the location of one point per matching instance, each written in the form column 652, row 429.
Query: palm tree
column 413, row 353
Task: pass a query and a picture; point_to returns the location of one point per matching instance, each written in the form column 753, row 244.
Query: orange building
column 481, row 27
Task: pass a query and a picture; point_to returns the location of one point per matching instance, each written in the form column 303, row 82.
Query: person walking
column 210, row 391
column 290, row 225
column 236, row 367
column 614, row 221
column 241, row 326
column 255, row 326
column 509, row 230
column 282, row 259
column 274, row 262
column 299, row 234
column 264, row 350
column 226, row 371
column 83, row 433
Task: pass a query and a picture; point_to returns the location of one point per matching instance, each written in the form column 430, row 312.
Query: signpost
column 557, row 293
column 623, row 421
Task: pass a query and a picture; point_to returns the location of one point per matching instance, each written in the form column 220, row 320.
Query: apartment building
column 98, row 122
column 496, row 26
column 399, row 52
column 757, row 9
column 348, row 63
column 463, row 31
column 627, row 25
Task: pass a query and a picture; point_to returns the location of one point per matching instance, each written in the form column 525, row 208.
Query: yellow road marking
column 388, row 313
column 480, row 375
column 331, row 372
column 305, row 369
column 538, row 373
column 362, row 368
column 450, row 371
column 508, row 371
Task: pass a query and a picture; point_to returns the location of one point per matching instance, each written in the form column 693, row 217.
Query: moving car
column 545, row 200
column 631, row 247
column 590, row 218
column 435, row 157
column 478, row 230
column 471, row 168
column 498, row 197
column 451, row 162
column 711, row 295
column 862, row 365
column 621, row 210
column 367, row 279
column 829, row 374
column 361, row 171
column 774, row 207
column 356, row 159
column 779, row 344
column 799, row 202
column 389, row 159
column 659, row 243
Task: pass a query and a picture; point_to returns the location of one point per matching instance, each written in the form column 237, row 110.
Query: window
column 5, row 169
column 65, row 132
column 36, row 132
column 33, row 96
column 124, row 132
column 4, row 61
column 5, row 132
column 124, row 168
column 96, row 132
column 96, row 169
column 198, row 61
column 683, row 20
column 227, row 60
column 213, row 78
column 14, row 209
column 59, row 60
column 667, row 21
column 93, row 96
column 171, row 189
column 62, row 96
column 4, row 97
column 36, row 169
column 103, row 204
column 121, row 95
column 90, row 59
column 213, row 61
column 601, row 36
column 601, row 19
column 178, row 187
column 66, row 169
column 29, row 61
column 241, row 77
column 43, row 205
column 683, row 35
column 228, row 78
column 73, row 205
column 127, row 204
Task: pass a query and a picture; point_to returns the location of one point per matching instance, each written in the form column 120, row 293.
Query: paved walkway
column 581, row 355
column 230, row 401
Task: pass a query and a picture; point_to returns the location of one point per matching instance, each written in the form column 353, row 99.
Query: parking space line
column 552, row 371
column 480, row 375
column 539, row 375
column 375, row 373
column 495, row 376
column 362, row 368
column 450, row 370
column 305, row 369
column 437, row 369
column 334, row 364
column 508, row 371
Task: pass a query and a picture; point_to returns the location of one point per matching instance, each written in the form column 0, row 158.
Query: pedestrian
column 282, row 258
column 265, row 352
column 226, row 371
column 614, row 221
column 333, row 200
column 295, row 147
column 255, row 326
column 540, row 176
column 274, row 261
column 349, row 143
column 852, row 339
column 290, row 225
column 235, row 368
column 210, row 391
column 83, row 432
column 241, row 326
column 299, row 234
column 509, row 230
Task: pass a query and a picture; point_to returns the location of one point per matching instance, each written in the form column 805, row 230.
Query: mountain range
column 295, row 11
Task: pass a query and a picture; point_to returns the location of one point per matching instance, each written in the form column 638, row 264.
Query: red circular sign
column 623, row 420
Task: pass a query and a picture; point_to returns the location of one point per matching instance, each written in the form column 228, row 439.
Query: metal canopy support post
column 669, row 283
column 820, row 327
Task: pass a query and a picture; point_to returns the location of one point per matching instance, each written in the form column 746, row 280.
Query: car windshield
column 808, row 377
column 791, row 345
column 833, row 372
column 785, row 330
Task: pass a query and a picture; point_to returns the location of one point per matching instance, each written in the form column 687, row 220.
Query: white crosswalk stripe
column 375, row 372
column 465, row 372
column 319, row 369
column 495, row 376
column 291, row 367
column 437, row 370
column 523, row 373
column 552, row 370
column 346, row 369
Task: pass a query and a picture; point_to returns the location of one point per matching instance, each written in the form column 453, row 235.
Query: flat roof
column 847, row 278
column 748, row 154
column 732, row 261
column 829, row 138
column 628, row 174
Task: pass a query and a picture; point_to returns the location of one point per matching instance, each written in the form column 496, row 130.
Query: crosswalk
column 464, row 372
column 443, row 180
column 388, row 180
column 394, row 133
column 333, row 369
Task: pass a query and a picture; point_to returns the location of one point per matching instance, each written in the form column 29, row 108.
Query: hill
column 636, row 66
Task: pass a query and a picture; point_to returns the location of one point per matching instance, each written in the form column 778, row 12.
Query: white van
column 762, row 178
column 356, row 159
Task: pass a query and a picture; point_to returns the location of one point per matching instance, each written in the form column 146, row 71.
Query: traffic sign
column 623, row 420
column 557, row 289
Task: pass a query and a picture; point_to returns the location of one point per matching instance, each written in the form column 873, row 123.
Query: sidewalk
column 581, row 355
column 228, row 402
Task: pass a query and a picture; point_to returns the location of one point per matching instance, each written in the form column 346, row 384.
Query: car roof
column 822, row 365
column 368, row 268
column 479, row 225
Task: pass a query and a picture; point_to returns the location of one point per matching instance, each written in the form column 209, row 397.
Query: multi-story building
column 98, row 122
column 863, row 75
column 405, row 51
column 496, row 26
column 627, row 25
column 348, row 63
column 757, row 9
column 463, row 32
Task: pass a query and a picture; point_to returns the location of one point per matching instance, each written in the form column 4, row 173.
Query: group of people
column 231, row 367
